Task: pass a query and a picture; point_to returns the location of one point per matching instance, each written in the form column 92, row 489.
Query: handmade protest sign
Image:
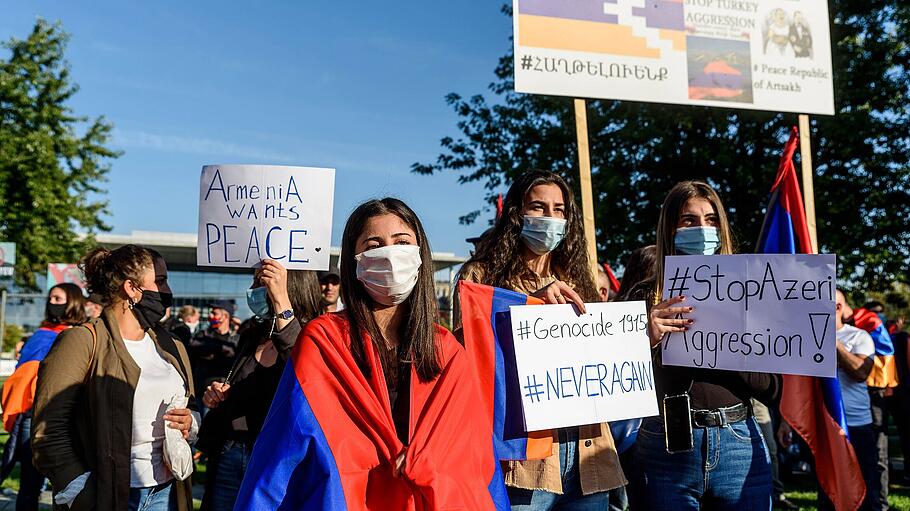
column 575, row 370
column 251, row 212
column 7, row 259
column 763, row 55
column 759, row 313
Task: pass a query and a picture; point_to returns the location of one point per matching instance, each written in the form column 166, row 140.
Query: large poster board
column 760, row 313
column 761, row 55
column 251, row 212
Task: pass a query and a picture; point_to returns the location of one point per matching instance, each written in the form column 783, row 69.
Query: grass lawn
column 804, row 496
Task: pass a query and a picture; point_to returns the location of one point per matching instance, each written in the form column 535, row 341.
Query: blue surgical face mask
column 542, row 234
column 258, row 300
column 701, row 240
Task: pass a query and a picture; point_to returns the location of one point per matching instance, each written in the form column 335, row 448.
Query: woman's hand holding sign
column 560, row 292
column 664, row 318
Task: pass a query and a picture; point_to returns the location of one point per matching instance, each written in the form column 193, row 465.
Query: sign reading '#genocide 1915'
column 759, row 313
column 251, row 212
column 575, row 370
column 756, row 54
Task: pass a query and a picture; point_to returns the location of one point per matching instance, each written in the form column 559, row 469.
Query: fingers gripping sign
column 668, row 316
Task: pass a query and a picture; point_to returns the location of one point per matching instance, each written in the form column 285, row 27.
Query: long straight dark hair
column 499, row 252
column 418, row 336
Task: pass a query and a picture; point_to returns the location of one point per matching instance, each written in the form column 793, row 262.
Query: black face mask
column 55, row 312
column 151, row 308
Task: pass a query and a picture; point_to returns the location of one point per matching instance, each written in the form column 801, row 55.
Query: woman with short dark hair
column 65, row 308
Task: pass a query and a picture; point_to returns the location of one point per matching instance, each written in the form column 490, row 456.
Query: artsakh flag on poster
column 763, row 55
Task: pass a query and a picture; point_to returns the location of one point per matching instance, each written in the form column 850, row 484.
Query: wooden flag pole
column 584, row 170
column 805, row 152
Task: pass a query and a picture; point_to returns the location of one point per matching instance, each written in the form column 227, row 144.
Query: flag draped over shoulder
column 813, row 407
column 329, row 441
column 19, row 389
column 487, row 327
column 884, row 370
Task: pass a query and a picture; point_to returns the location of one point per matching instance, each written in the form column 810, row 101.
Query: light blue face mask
column 701, row 240
column 258, row 300
column 542, row 234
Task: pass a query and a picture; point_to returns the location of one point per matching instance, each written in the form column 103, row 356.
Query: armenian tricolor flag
column 329, row 441
column 487, row 327
column 19, row 389
column 813, row 407
column 884, row 372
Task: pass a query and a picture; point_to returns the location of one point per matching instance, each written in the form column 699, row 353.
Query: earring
column 131, row 303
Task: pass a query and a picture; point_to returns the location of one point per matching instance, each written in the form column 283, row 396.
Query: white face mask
column 389, row 273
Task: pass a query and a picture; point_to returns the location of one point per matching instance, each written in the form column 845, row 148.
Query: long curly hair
column 499, row 253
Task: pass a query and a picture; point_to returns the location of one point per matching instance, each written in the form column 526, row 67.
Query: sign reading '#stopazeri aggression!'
column 761, row 313
column 762, row 55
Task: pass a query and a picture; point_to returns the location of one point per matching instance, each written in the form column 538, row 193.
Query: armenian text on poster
column 763, row 55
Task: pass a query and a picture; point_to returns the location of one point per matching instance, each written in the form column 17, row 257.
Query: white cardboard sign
column 755, row 54
column 575, row 370
column 251, row 212
column 760, row 313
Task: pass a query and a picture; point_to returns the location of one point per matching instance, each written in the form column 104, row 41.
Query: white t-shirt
column 856, row 396
column 159, row 381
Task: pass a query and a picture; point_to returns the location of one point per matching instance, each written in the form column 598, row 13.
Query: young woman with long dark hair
column 65, row 308
column 377, row 406
column 538, row 247
column 282, row 301
column 101, row 403
column 727, row 466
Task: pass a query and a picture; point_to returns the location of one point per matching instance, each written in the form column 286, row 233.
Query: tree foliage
column 51, row 160
column 639, row 151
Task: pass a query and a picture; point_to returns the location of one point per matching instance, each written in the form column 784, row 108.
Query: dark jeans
column 882, row 408
column 862, row 438
column 728, row 469
column 30, row 481
column 232, row 463
column 572, row 498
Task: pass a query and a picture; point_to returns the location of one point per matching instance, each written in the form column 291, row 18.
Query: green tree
column 51, row 160
column 639, row 151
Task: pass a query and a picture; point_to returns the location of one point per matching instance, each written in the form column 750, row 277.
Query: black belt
column 720, row 416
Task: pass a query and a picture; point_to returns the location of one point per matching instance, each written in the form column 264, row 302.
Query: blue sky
column 358, row 86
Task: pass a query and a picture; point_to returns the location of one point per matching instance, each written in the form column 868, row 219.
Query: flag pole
column 805, row 151
column 584, row 170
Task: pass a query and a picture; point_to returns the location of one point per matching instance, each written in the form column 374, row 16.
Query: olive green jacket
column 83, row 413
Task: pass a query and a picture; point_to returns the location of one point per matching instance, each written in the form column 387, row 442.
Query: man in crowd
column 212, row 350
column 330, row 282
column 187, row 323
column 855, row 351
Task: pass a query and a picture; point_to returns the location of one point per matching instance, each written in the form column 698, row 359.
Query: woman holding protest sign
column 112, row 393
column 706, row 448
column 376, row 408
column 282, row 301
column 538, row 247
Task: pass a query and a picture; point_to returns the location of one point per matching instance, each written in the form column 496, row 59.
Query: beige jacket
column 83, row 413
column 598, row 462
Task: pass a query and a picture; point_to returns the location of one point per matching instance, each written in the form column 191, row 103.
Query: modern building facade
column 198, row 285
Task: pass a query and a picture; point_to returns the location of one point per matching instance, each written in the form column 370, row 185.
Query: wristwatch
column 286, row 314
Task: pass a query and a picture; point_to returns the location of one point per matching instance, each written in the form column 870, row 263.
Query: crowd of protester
column 104, row 379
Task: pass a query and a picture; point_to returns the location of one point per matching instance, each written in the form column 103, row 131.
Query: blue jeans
column 231, row 466
column 729, row 469
column 154, row 498
column 572, row 498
